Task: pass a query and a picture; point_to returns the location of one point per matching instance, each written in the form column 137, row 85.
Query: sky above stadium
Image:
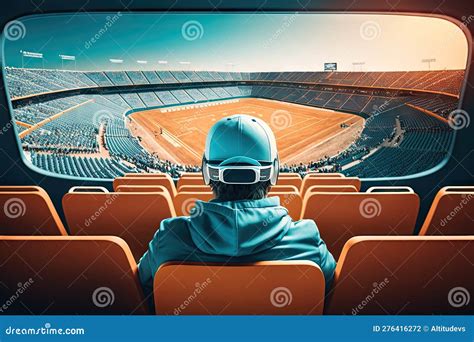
column 234, row 42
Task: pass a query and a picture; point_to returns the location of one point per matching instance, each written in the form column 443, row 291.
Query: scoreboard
column 330, row 66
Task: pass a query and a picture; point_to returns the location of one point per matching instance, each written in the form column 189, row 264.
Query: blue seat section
column 137, row 77
column 81, row 166
column 417, row 142
column 118, row 77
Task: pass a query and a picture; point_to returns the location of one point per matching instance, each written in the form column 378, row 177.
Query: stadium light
column 185, row 63
column 67, row 58
column 428, row 61
column 162, row 62
column 30, row 54
column 360, row 64
column 231, row 66
column 116, row 61
column 142, row 62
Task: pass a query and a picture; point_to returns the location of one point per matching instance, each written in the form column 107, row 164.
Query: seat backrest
column 192, row 180
column 325, row 175
column 194, row 188
column 149, row 174
column 404, row 276
column 163, row 180
column 331, row 188
column 134, row 217
column 295, row 181
column 451, row 213
column 184, row 202
column 141, row 188
column 191, row 174
column 69, row 275
column 269, row 288
column 28, row 210
column 285, row 188
column 310, row 181
column 340, row 216
column 291, row 201
column 289, row 175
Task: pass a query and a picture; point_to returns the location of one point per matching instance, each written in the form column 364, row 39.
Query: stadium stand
column 404, row 132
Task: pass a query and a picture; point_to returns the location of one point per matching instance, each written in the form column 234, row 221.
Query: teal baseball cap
column 240, row 139
column 240, row 149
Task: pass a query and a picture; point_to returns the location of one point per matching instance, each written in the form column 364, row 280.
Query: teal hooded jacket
column 235, row 232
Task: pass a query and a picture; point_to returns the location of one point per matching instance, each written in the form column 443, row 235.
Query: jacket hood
column 238, row 228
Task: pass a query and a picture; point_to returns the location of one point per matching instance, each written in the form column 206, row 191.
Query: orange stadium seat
column 268, row 288
column 69, row 275
column 340, row 216
column 134, row 217
column 150, row 174
column 291, row 201
column 310, row 181
column 191, row 174
column 331, row 188
column 325, row 175
column 165, row 181
column 284, row 188
column 295, row 181
column 141, row 188
column 194, row 188
column 289, row 175
column 193, row 180
column 452, row 212
column 404, row 276
column 28, row 210
column 184, row 201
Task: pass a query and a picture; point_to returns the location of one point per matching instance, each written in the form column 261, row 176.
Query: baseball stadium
column 106, row 134
column 104, row 123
